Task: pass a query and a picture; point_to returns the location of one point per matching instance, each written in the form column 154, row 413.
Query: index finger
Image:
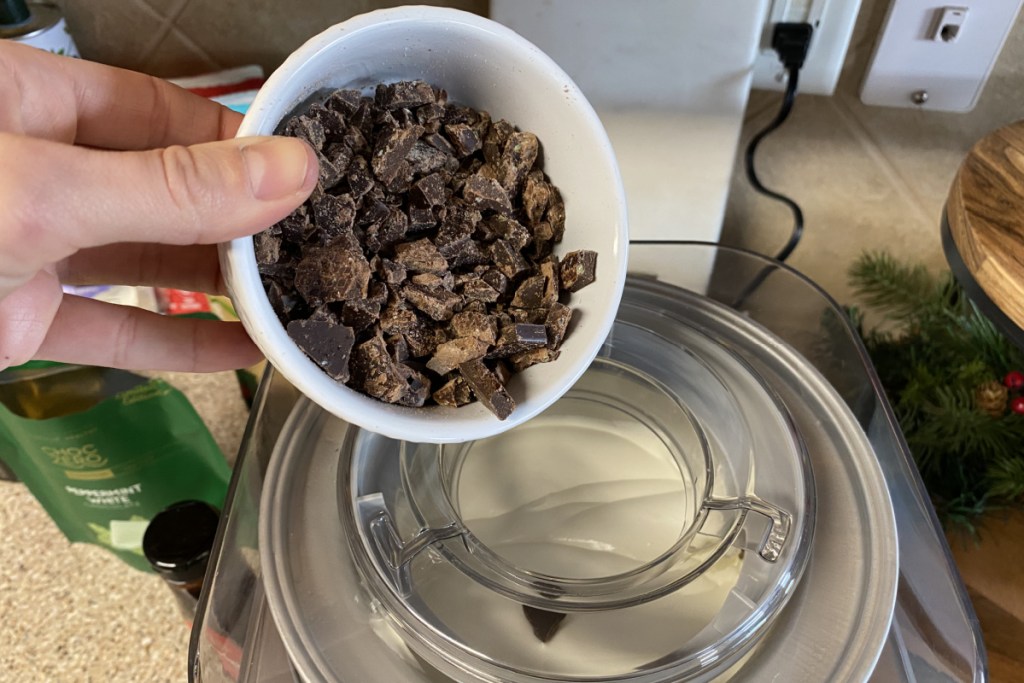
column 75, row 101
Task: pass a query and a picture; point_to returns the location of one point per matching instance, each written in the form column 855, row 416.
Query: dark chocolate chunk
column 421, row 219
column 451, row 354
column 556, row 323
column 375, row 371
column 356, row 141
column 329, row 173
column 397, row 318
column 454, row 393
column 534, row 316
column 328, row 274
column 391, row 272
column 420, row 256
column 468, row 253
column 334, row 217
column 295, row 226
column 333, row 122
column 324, row 314
column 552, row 281
column 360, row 315
column 417, row 386
column 360, row 180
column 390, row 229
column 530, row 293
column 472, row 323
column 495, row 140
column 428, row 191
column 429, row 116
column 340, row 155
column 486, row 194
column 390, row 151
column 478, row 290
column 555, row 215
column 507, row 258
column 424, row 159
column 398, row 348
column 517, row 160
column 326, row 344
column 537, row 196
column 438, row 141
column 545, row 624
column 518, row 337
column 308, row 129
column 543, row 354
column 424, row 339
column 377, row 293
column 445, row 280
column 506, row 228
column 463, row 138
column 345, row 101
column 496, row 279
column 578, row 269
column 486, row 387
column 268, row 248
column 439, row 304
column 404, row 94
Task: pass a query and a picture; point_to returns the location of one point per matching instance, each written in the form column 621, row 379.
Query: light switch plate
column 936, row 56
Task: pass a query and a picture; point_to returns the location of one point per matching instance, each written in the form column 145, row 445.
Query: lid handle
column 778, row 532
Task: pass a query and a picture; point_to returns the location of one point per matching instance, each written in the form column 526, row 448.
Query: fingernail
column 280, row 167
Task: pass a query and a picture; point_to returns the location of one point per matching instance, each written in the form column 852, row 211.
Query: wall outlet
column 833, row 22
column 937, row 57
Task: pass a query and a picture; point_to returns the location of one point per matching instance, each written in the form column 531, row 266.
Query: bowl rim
column 257, row 316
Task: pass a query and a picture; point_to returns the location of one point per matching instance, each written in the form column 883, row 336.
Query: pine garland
column 943, row 364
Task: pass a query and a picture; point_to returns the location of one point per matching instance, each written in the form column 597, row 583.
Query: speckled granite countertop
column 75, row 613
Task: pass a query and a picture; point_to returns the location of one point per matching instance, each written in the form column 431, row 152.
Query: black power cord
column 791, row 42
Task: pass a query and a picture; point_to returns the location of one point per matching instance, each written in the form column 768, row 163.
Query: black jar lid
column 179, row 539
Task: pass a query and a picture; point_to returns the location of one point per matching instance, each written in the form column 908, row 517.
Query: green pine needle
column 934, row 353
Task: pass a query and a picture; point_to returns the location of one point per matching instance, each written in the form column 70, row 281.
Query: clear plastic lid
column 646, row 527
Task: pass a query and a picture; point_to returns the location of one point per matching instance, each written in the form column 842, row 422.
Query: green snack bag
column 104, row 450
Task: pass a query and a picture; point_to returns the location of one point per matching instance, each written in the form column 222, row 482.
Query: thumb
column 58, row 199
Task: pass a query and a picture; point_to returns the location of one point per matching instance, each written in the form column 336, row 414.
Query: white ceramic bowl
column 483, row 65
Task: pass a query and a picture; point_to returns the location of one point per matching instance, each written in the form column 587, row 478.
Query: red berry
column 1017, row 405
column 1014, row 380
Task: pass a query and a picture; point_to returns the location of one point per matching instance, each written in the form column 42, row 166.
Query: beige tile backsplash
column 867, row 177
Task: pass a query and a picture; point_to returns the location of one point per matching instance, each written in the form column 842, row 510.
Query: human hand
column 112, row 177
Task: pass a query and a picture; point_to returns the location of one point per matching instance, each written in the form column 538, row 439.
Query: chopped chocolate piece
column 390, row 151
column 363, row 118
column 479, row 290
column 326, row 344
column 421, row 219
column 487, row 388
column 456, row 113
column 451, row 354
column 308, row 129
column 468, row 253
column 356, row 140
column 360, row 179
column 424, row 339
column 446, row 280
column 375, row 371
column 424, row 159
column 334, row 217
column 578, row 269
column 398, row 348
column 397, row 318
column 496, row 279
column 537, row 196
column 332, row 121
column 404, row 94
column 555, row 215
column 329, row 173
column 428, row 191
column 324, row 314
column 543, row 354
column 344, row 101
column 439, row 304
column 282, row 273
column 328, row 274
column 295, row 226
column 550, row 270
column 420, row 256
column 438, row 141
column 486, row 194
column 340, row 155
column 507, row 258
column 505, row 227
column 402, row 180
column 377, row 293
column 473, row 323
column 495, row 140
column 534, row 316
column 543, row 239
column 373, row 211
column 360, row 315
column 429, row 116
column 530, row 293
column 454, row 393
column 388, row 231
column 520, row 152
column 545, row 624
column 463, row 138
column 556, row 323
column 457, row 228
column 519, row 337
column 417, row 387
column 268, row 248
column 392, row 273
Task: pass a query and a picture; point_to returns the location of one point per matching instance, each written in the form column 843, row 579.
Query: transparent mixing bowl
column 609, row 538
